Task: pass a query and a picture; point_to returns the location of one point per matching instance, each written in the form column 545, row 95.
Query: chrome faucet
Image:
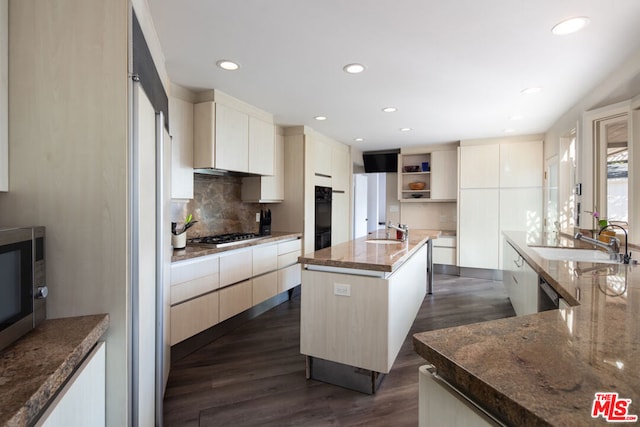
column 402, row 228
column 613, row 247
column 627, row 255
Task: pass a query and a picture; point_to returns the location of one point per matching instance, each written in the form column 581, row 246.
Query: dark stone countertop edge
column 28, row 411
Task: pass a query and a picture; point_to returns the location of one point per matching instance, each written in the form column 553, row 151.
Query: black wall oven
column 323, row 217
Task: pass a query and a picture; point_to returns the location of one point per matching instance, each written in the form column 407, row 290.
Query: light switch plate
column 258, row 217
column 342, row 289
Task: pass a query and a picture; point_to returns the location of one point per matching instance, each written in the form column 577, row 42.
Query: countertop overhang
column 545, row 368
column 35, row 367
column 358, row 254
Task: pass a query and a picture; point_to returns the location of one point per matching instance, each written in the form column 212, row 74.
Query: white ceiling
column 454, row 69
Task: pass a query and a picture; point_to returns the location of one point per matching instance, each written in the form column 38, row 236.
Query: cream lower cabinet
column 440, row 405
column 444, row 250
column 520, row 281
column 194, row 316
column 210, row 289
column 235, row 299
column 81, row 402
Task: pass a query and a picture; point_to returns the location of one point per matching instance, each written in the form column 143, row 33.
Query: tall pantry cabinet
column 500, row 189
column 311, row 159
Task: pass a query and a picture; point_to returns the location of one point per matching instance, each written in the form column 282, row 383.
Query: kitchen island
column 359, row 299
column 545, row 369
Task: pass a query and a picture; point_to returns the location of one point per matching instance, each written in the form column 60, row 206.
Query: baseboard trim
column 481, row 273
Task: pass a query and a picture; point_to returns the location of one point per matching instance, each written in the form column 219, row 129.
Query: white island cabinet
column 359, row 300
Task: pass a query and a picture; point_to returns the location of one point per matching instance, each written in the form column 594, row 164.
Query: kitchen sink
column 571, row 254
column 384, row 241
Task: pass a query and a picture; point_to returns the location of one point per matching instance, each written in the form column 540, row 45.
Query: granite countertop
column 545, row 368
column 358, row 254
column 35, row 367
column 196, row 250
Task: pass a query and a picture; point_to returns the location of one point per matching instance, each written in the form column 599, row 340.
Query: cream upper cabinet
column 181, row 125
column 444, row 175
column 231, row 139
column 340, row 168
column 232, row 135
column 428, row 176
column 322, row 158
column 521, row 164
column 204, row 133
column 261, row 147
column 479, row 166
column 267, row 189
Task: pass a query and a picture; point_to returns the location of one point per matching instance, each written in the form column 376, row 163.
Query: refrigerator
column 150, row 242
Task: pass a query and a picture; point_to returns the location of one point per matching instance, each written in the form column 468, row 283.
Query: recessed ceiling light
column 516, row 117
column 358, row 139
column 509, row 130
column 405, row 129
column 225, row 64
column 320, row 118
column 570, row 26
column 531, row 90
column 353, row 68
column 389, row 109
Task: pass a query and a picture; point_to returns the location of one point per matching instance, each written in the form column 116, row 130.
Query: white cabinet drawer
column 288, row 259
column 289, row 277
column 235, row 299
column 444, row 255
column 235, row 267
column 445, row 242
column 194, row 316
column 186, row 290
column 265, row 259
column 290, row 246
column 265, row 287
column 183, row 271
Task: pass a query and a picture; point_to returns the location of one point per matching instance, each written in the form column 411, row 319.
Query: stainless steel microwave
column 23, row 288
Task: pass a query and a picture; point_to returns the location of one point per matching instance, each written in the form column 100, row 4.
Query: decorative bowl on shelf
column 411, row 168
column 417, row 185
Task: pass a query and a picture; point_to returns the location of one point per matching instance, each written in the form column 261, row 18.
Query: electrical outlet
column 342, row 289
column 258, row 217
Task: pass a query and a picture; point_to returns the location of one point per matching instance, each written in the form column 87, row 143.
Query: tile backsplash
column 217, row 206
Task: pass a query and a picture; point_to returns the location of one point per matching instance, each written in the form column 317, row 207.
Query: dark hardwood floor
column 255, row 375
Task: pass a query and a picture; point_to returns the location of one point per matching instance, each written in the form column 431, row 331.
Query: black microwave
column 23, row 289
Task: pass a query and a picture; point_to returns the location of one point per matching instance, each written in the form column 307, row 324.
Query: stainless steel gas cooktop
column 223, row 240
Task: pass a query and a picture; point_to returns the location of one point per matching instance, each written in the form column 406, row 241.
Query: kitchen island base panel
column 350, row 377
column 367, row 327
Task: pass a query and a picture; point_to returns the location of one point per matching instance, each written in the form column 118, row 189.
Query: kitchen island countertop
column 544, row 369
column 358, row 254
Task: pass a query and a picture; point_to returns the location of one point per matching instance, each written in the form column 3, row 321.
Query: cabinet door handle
column 515, row 280
column 519, row 259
